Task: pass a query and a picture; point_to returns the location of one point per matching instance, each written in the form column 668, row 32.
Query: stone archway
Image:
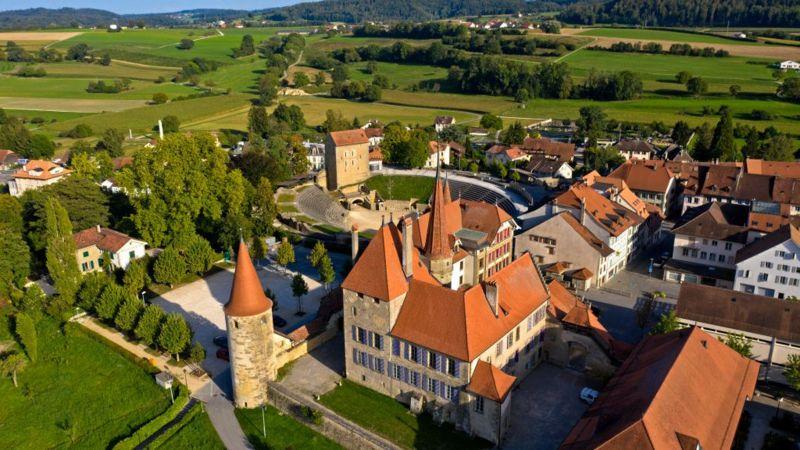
column 577, row 356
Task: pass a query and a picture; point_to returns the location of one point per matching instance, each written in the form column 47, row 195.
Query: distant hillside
column 688, row 13
column 64, row 17
column 355, row 11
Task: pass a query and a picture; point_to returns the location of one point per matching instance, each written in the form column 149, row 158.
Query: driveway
column 319, row 371
column 546, row 407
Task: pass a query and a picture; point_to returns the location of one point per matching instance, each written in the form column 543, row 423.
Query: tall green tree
column 318, row 252
column 263, row 208
column 112, row 297
column 326, row 271
column 149, row 324
column 92, row 286
column 61, row 263
column 11, row 364
column 257, row 120
column 170, row 267
column 723, row 145
column 285, row 253
column 85, row 202
column 175, row 335
column 128, row 314
column 591, row 123
column 135, row 277
column 15, row 261
column 199, row 256
column 667, row 323
column 111, row 141
column 299, row 289
column 25, row 330
column 740, row 343
column 778, row 148
column 515, row 134
column 33, row 301
column 11, row 213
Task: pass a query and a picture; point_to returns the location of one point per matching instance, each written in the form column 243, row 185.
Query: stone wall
column 252, row 357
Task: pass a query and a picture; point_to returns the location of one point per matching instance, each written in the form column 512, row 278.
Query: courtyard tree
column 149, row 324
column 199, row 255
column 92, row 286
column 60, row 254
column 135, row 277
column 25, row 330
column 667, row 323
column 285, row 253
column 263, row 208
column 326, row 271
column 792, row 371
column 110, row 300
column 170, row 267
column 128, row 314
column 175, row 335
column 197, row 353
column 739, row 343
column 11, row 364
column 299, row 289
column 318, row 252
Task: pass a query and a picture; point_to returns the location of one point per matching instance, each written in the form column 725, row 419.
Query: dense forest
column 34, row 18
column 688, row 13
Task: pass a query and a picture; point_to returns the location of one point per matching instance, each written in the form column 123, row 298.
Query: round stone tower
column 248, row 316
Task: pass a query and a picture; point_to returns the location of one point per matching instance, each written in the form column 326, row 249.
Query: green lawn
column 393, row 421
column 402, row 187
column 285, row 198
column 239, row 77
column 55, row 87
column 48, row 116
column 196, row 433
column 661, row 35
column 283, row 432
column 79, row 393
column 117, row 69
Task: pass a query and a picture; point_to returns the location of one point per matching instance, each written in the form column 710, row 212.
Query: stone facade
column 252, row 357
column 90, row 259
column 346, row 164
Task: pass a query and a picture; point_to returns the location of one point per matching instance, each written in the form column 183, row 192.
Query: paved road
column 220, row 411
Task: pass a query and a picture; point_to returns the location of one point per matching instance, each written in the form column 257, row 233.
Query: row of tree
column 412, row 30
column 495, row 44
column 657, row 48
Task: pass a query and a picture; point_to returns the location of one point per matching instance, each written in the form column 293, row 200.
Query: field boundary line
column 594, row 39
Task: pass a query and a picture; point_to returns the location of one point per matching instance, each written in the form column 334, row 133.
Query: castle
column 248, row 317
column 438, row 316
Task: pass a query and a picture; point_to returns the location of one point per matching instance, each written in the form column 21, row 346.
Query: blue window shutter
column 380, row 365
column 391, row 369
column 353, row 328
column 355, row 356
column 379, row 341
column 422, row 356
column 424, row 381
column 405, row 374
column 456, row 367
column 369, row 338
column 442, row 388
column 454, row 395
column 395, row 347
column 405, row 350
column 439, row 362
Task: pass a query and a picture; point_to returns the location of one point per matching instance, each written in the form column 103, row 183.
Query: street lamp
column 143, row 302
column 263, row 422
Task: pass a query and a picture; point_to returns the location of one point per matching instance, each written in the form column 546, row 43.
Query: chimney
column 160, row 130
column 492, row 295
column 408, row 244
column 354, row 242
column 98, row 227
column 583, row 210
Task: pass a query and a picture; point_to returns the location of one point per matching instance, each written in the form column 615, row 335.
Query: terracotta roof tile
column 683, row 382
column 37, row 169
column 587, row 235
column 789, row 169
column 613, row 217
column 349, row 137
column 563, row 151
column 247, row 294
column 105, row 239
column 650, row 175
column 490, row 382
column 437, row 242
column 461, row 323
column 726, row 222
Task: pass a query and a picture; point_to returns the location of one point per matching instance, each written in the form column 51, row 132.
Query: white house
column 438, row 153
column 789, row 65
column 92, row 244
column 770, row 266
column 35, row 174
column 315, row 155
column 442, row 122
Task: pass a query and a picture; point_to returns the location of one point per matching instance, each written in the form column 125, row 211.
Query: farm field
column 143, row 119
column 48, row 116
column 34, row 40
column 402, row 75
column 36, row 106
column 660, row 35
column 45, row 87
column 66, row 399
column 117, row 69
column 314, row 108
column 327, row 44
column 241, row 77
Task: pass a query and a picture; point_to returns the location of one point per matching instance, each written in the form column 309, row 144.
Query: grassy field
column 283, row 432
column 117, row 69
column 401, row 187
column 401, row 75
column 660, row 35
column 47, row 87
column 79, row 393
column 314, row 109
column 154, row 45
column 324, row 43
column 393, row 421
column 48, row 116
column 143, row 119
column 460, row 102
column 238, row 77
column 196, row 433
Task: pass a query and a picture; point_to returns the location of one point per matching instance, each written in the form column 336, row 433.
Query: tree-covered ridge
column 687, row 13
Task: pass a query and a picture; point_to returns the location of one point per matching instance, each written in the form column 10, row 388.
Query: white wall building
column 770, row 266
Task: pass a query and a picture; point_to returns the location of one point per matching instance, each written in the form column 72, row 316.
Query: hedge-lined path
column 181, row 414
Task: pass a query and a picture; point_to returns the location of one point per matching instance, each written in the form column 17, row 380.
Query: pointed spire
column 447, row 196
column 437, row 244
column 247, row 294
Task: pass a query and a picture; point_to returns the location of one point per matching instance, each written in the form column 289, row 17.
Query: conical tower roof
column 247, row 295
column 437, row 244
column 447, row 196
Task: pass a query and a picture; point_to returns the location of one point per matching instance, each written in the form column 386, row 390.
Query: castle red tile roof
column 585, row 233
column 349, row 137
column 789, row 169
column 373, row 132
column 378, row 272
column 247, row 294
column 461, row 323
column 469, row 214
column 674, row 388
column 437, row 242
column 37, row 169
column 105, row 239
column 8, row 157
column 490, row 382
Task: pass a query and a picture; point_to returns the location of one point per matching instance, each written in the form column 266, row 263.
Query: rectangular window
column 414, row 353
column 362, row 335
column 510, row 340
column 432, row 385
column 703, row 255
column 377, row 341
column 451, row 366
column 499, row 349
column 132, row 254
column 763, row 276
column 414, row 378
column 479, row 405
column 85, row 254
column 432, row 358
column 728, row 246
column 685, row 251
column 714, row 243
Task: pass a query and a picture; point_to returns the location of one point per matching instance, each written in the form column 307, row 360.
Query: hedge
column 147, row 430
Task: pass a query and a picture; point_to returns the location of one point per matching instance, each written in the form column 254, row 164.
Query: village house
column 95, row 243
column 375, row 135
column 680, row 390
column 651, row 181
column 442, row 122
column 502, row 154
column 563, row 151
column 769, row 324
column 607, row 230
column 707, row 239
column 8, row 159
column 375, row 159
column 789, row 65
column 35, row 174
column 315, row 153
column 346, row 158
column 635, row 149
column 427, row 317
column 546, row 170
column 770, row 266
column 438, row 155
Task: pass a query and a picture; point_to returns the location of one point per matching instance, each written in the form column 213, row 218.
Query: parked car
column 278, row 321
column 222, row 353
column 221, row 341
column 589, row 395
